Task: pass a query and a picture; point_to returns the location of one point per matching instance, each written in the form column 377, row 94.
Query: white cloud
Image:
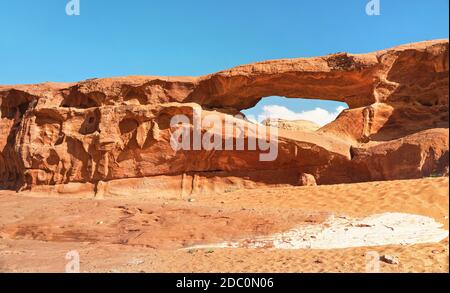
column 318, row 115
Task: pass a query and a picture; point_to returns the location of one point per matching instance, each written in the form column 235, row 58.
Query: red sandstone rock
column 111, row 134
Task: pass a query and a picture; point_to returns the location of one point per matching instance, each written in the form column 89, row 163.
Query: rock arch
column 396, row 125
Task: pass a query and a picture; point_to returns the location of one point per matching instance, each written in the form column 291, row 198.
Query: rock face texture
column 110, row 135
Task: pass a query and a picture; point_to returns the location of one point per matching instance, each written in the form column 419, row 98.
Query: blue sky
column 39, row 42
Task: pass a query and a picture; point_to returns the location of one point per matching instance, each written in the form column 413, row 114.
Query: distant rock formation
column 112, row 135
column 292, row 125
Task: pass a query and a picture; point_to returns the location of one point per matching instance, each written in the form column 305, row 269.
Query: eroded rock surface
column 107, row 134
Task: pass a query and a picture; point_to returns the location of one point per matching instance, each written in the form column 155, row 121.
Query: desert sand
column 151, row 233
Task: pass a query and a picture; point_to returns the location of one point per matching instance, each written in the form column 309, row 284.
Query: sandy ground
column 148, row 234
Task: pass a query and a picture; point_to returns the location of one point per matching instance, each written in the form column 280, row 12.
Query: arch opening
column 313, row 113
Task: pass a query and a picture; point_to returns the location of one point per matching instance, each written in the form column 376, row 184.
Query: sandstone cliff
column 112, row 134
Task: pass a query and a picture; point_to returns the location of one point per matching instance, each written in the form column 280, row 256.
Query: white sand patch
column 343, row 232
